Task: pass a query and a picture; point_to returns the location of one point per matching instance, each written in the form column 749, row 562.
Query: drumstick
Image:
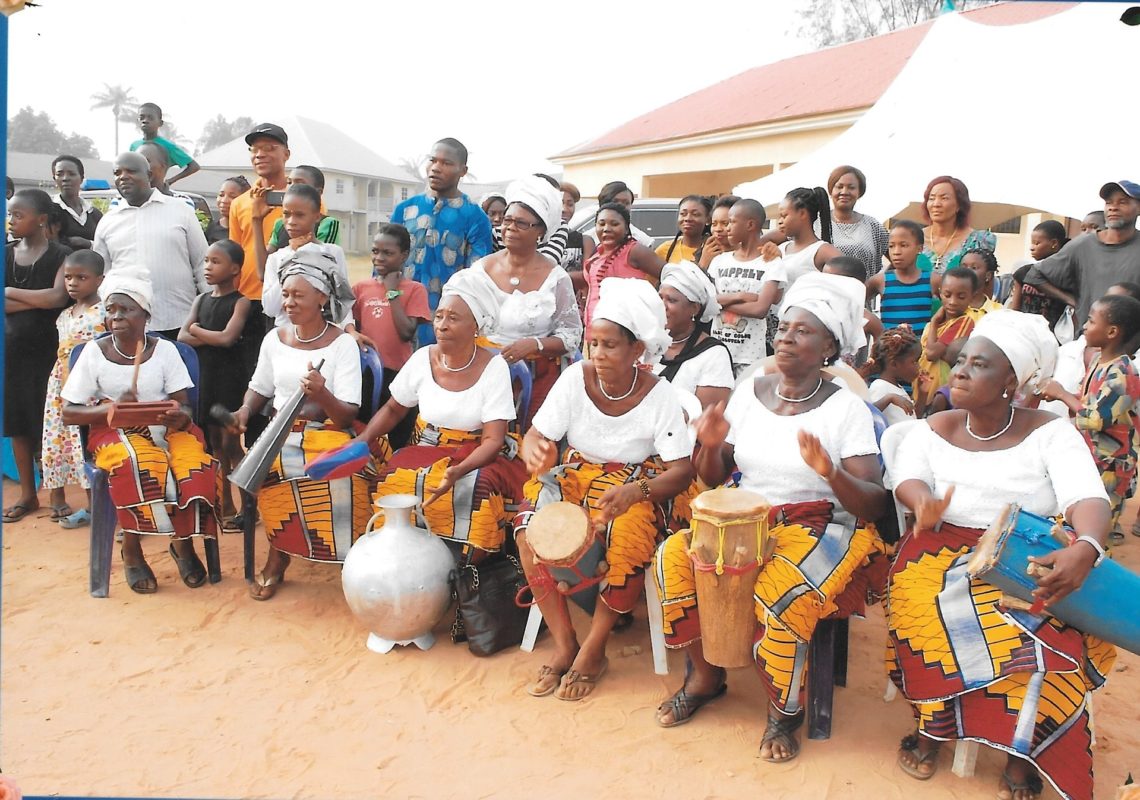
column 138, row 364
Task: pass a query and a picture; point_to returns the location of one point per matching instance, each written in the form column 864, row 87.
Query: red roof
column 841, row 78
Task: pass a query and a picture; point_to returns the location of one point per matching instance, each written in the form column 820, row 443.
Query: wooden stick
column 138, row 364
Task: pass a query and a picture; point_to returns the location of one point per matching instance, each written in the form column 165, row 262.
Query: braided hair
column 707, row 203
column 818, row 205
column 986, row 255
column 894, row 343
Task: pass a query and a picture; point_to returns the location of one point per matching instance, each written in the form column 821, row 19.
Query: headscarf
column 837, row 301
column 688, row 279
column 136, row 287
column 1025, row 340
column 542, row 199
column 476, row 289
column 320, row 269
column 636, row 306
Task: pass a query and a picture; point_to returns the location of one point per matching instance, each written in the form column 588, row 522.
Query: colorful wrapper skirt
column 810, row 576
column 630, row 538
column 315, row 520
column 974, row 670
column 161, row 481
column 475, row 513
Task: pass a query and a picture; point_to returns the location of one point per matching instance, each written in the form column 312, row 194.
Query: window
column 403, row 193
column 372, row 188
column 340, row 186
column 1012, row 225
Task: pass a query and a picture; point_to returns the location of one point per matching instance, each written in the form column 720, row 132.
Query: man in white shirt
column 155, row 236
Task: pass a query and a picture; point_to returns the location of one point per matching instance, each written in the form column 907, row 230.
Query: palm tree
column 120, row 101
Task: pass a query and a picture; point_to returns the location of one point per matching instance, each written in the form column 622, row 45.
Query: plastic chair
column 656, row 626
column 965, row 753
column 520, row 371
column 103, row 517
column 371, row 387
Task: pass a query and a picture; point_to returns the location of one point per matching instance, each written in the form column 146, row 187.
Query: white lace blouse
column 1046, row 473
column 550, row 310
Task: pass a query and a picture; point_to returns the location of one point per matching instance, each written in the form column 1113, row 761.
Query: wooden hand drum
column 566, row 547
column 729, row 532
column 139, row 415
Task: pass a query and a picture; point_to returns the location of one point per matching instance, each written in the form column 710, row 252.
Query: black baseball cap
column 268, row 129
column 1128, row 187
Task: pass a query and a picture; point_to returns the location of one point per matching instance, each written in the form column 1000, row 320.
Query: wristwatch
column 393, row 294
column 1100, row 553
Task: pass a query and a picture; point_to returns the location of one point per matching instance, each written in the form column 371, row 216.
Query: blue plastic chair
column 371, row 387
column 103, row 517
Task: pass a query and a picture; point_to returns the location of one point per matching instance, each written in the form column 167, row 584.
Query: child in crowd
column 387, row 311
column 231, row 189
column 982, row 263
column 214, row 329
column 895, row 358
column 718, row 241
column 61, row 449
column 1104, row 411
column 328, row 229
column 1046, row 239
column 301, row 214
column 150, row 120
column 746, row 320
column 944, row 336
column 907, row 288
column 872, row 328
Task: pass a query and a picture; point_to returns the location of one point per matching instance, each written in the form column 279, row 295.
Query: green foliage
column 33, row 131
column 219, row 131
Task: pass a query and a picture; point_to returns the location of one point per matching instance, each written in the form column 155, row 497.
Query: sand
column 206, row 693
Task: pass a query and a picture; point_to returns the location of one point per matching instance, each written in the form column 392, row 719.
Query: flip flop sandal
column 685, row 705
column 1032, row 782
column 17, row 512
column 909, row 744
column 60, row 512
column 77, row 520
column 190, row 568
column 780, row 728
column 137, row 575
column 590, row 681
column 264, row 588
column 232, row 524
column 1116, row 537
column 548, row 680
column 623, row 622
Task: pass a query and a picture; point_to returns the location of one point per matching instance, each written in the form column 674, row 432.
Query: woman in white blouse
column 315, row 520
column 627, row 457
column 161, row 478
column 972, row 668
column 461, row 459
column 808, row 447
column 694, row 361
column 537, row 318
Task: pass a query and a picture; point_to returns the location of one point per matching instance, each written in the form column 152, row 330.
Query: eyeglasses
column 518, row 224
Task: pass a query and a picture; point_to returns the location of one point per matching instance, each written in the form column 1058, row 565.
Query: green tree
column 35, row 132
column 122, row 103
column 827, row 22
column 219, row 131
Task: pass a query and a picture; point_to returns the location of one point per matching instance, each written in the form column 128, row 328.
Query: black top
column 71, row 226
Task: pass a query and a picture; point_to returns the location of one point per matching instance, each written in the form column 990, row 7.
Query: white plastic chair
column 965, row 753
column 656, row 629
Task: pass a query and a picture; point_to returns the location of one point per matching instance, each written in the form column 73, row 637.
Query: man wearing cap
column 1085, row 267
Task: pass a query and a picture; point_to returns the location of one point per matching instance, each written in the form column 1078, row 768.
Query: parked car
column 654, row 215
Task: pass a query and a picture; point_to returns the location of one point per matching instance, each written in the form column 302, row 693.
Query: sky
column 515, row 81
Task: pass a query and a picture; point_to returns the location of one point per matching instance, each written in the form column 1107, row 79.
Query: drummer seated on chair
column 627, row 458
column 808, row 447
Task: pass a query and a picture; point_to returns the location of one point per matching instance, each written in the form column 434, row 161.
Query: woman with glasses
column 537, row 319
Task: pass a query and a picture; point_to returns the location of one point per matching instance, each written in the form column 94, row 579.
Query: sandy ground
column 206, row 693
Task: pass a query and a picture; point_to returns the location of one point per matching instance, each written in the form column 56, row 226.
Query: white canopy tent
column 1033, row 117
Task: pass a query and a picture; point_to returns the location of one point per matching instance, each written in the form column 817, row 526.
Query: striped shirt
column 161, row 241
column 906, row 303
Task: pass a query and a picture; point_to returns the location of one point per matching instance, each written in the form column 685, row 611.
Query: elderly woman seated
column 162, row 480
column 461, row 459
column 627, row 457
column 537, row 318
column 313, row 519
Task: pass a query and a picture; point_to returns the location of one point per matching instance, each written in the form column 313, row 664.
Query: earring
column 1005, row 394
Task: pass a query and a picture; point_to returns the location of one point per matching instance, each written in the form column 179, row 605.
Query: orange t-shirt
column 241, row 231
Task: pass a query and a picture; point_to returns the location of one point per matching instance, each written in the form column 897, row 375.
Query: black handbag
column 488, row 617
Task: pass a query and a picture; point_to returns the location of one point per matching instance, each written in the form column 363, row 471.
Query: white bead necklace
column 115, row 345
column 786, row 399
column 470, row 361
column 606, row 394
column 297, row 335
column 1012, row 412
